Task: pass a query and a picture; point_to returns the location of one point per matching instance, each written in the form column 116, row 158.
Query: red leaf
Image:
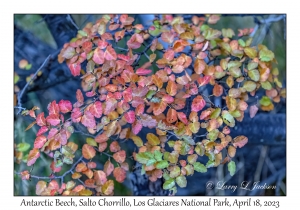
column 182, row 117
column 32, row 156
column 130, row 116
column 101, row 138
column 53, row 119
column 88, row 120
column 75, row 68
column 96, row 109
column 127, row 94
column 53, row 168
column 98, row 56
column 120, row 174
column 203, row 80
column 168, row 99
column 171, row 115
column 110, row 54
column 253, row 110
column 42, row 130
column 140, row 109
column 114, row 146
column 25, row 175
column 40, row 119
column 87, row 46
column 158, row 108
column 52, row 132
column 120, row 156
column 79, row 96
column 108, row 167
column 88, row 152
column 100, row 177
column 198, row 104
column 218, row 90
column 110, row 105
column 168, row 37
column 205, row 114
column 137, row 127
column 142, row 71
column 76, row 115
column 169, row 55
column 65, row 106
column 53, row 108
column 40, row 141
column 135, row 41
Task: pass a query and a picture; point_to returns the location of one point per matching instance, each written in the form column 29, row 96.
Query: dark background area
column 262, row 159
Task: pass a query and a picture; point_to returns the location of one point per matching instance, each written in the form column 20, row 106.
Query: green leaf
column 91, row 141
column 171, row 143
column 228, row 32
column 215, row 113
column 68, row 160
column 199, row 167
column 181, row 181
column 235, row 72
column 169, row 184
column 189, row 169
column 252, row 65
column 265, row 101
column 266, row 55
column 162, row 164
column 213, row 135
column 241, row 42
column 28, row 66
column 226, row 46
column 16, row 78
column 150, row 94
column 234, row 64
column 158, row 155
column 23, row 147
column 204, row 27
column 175, row 172
column 250, row 52
column 155, row 32
column 166, row 176
column 67, row 151
column 228, row 119
column 211, row 34
column 82, row 33
column 249, row 41
column 210, row 164
column 150, row 162
column 249, row 86
column 266, row 85
column 58, row 164
column 254, row 75
column 231, row 168
column 142, row 157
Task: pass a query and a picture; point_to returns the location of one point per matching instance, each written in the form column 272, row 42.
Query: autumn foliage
column 120, row 96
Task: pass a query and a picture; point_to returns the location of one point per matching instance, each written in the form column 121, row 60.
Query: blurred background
column 262, row 159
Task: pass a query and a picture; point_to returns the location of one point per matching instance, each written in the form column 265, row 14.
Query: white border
column 155, row 6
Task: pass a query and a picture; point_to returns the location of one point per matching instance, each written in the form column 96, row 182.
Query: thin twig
column 25, row 87
column 69, row 18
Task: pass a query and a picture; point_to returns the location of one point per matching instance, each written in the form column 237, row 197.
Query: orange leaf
column 152, row 139
column 171, row 115
column 120, row 174
column 120, row 156
column 40, row 187
column 218, row 90
column 199, row 66
column 240, row 141
column 108, row 168
column 88, row 152
column 33, row 155
column 110, row 54
column 100, row 177
column 114, row 146
column 108, row 187
column 81, row 167
column 171, row 88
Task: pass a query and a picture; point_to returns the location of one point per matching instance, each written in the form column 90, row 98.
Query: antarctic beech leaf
column 142, row 71
column 65, row 106
column 110, row 105
column 119, row 174
column 182, row 117
column 231, row 168
column 88, row 120
column 76, row 115
column 75, row 68
column 120, row 156
column 217, row 90
column 168, row 37
column 88, row 152
column 40, row 187
column 102, row 146
column 198, row 104
column 240, row 141
column 96, row 109
column 249, row 86
column 127, row 94
column 171, row 115
column 148, row 121
column 81, row 167
column 194, row 127
column 53, row 108
column 30, row 125
column 33, row 155
column 114, row 146
column 135, row 41
column 39, row 142
column 98, row 56
column 183, row 80
column 171, row 88
column 168, row 99
column 231, row 151
column 91, row 165
column 110, row 54
column 25, row 175
column 108, row 168
column 137, row 127
column 40, row 119
column 253, row 110
column 140, row 109
column 199, row 66
column 42, row 130
column 158, row 108
column 152, row 139
column 53, row 120
column 108, row 187
column 137, row 141
column 99, row 177
column 130, row 116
